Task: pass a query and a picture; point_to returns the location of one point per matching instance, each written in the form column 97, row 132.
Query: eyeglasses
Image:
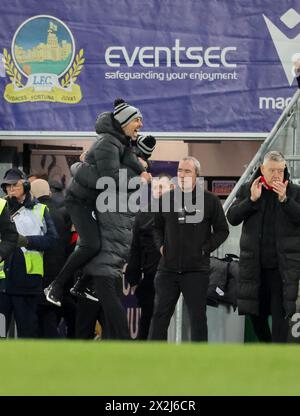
column 13, row 186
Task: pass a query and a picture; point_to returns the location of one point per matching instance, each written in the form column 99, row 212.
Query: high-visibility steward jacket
column 2, row 205
column 30, row 222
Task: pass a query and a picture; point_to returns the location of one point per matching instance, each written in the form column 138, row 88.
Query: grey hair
column 273, row 155
column 196, row 162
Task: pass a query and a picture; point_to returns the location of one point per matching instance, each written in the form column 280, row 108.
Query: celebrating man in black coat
column 269, row 208
column 185, row 240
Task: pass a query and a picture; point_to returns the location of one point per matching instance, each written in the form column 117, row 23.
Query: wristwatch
column 284, row 201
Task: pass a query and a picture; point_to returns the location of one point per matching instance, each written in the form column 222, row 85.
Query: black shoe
column 54, row 293
column 84, row 293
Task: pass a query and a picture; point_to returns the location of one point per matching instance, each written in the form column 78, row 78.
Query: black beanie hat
column 146, row 144
column 124, row 113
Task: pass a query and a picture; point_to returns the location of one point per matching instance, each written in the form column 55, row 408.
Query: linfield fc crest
column 43, row 64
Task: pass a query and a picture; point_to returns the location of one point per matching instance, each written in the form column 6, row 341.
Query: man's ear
column 262, row 169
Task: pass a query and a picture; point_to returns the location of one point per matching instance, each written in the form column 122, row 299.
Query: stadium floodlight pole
column 284, row 118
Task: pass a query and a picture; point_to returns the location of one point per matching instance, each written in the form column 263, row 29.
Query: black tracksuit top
column 187, row 246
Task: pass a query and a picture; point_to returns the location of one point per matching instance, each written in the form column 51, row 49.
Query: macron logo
column 288, row 49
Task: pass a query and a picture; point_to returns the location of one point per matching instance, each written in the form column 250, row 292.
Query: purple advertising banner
column 190, row 66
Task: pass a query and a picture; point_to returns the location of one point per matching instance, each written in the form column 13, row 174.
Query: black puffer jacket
column 116, row 236
column 287, row 234
column 104, row 159
column 109, row 154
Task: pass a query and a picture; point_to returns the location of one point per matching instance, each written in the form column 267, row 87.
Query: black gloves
column 22, row 241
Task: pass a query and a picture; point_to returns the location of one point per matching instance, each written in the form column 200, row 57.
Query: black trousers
column 145, row 299
column 168, row 286
column 109, row 290
column 271, row 303
column 67, row 312
column 89, row 239
column 24, row 310
column 87, row 314
column 47, row 321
